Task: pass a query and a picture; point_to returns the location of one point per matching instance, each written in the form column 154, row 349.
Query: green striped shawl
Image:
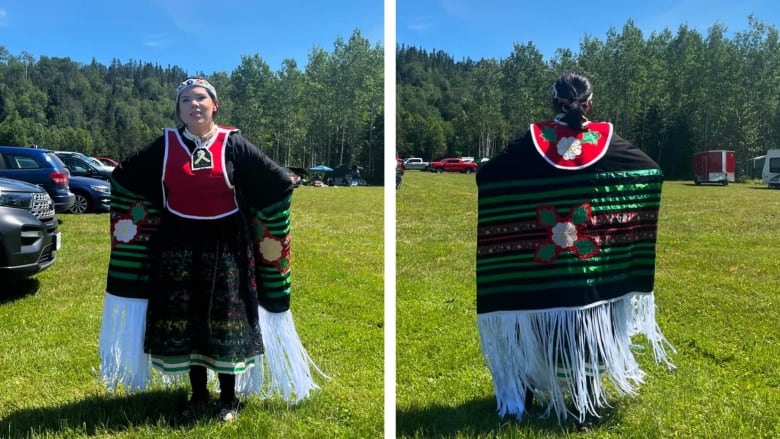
column 565, row 239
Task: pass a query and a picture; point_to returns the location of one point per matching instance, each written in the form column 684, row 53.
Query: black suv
column 40, row 167
column 82, row 165
column 29, row 238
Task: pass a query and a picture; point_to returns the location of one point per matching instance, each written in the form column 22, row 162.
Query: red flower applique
column 566, row 233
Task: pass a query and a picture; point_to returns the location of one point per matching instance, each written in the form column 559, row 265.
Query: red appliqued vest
column 195, row 184
column 567, row 148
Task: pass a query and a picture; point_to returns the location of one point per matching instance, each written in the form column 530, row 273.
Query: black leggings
column 198, row 381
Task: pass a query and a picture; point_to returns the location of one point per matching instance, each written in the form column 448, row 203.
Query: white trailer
column 771, row 172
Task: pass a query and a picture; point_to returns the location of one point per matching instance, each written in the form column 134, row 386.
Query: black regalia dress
column 199, row 272
column 565, row 267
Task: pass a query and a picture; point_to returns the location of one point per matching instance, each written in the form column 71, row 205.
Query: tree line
column 330, row 112
column 672, row 94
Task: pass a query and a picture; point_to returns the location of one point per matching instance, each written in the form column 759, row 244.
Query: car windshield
column 95, row 162
column 90, row 160
column 52, row 158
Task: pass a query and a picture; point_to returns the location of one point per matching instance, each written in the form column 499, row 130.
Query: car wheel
column 81, row 205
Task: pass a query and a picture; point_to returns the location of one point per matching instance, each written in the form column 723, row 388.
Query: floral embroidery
column 565, row 233
column 270, row 249
column 569, row 148
column 273, row 250
column 125, row 230
column 139, row 212
column 125, row 226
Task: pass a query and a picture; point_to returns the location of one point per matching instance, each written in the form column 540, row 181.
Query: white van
column 771, row 172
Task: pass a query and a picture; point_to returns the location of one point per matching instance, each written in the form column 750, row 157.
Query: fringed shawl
column 565, row 273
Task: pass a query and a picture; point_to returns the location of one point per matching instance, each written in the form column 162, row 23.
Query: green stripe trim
column 125, row 264
column 575, row 283
column 528, row 214
column 127, row 276
column 526, row 259
column 279, row 295
column 282, row 205
column 572, row 179
column 588, row 192
column 519, row 257
column 138, row 254
column 219, row 365
column 596, row 270
column 597, row 206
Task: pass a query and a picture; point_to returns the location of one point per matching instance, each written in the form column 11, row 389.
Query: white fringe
column 285, row 368
column 123, row 363
column 524, row 349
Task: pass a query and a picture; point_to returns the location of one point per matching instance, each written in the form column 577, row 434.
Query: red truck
column 716, row 166
column 453, row 165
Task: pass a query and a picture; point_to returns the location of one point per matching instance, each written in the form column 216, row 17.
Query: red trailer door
column 731, row 165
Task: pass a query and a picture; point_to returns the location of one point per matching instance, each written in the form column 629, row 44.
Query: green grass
column 718, row 298
column 717, row 293
column 50, row 326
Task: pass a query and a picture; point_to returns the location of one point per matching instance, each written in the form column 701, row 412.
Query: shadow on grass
column 16, row 289
column 706, row 184
column 97, row 415
column 720, row 185
column 479, row 418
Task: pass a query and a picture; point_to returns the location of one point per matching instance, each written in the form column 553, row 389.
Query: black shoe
column 585, row 425
column 529, row 399
column 196, row 408
column 227, row 411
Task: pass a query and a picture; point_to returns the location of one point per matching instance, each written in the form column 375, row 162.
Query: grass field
column 50, row 325
column 718, row 298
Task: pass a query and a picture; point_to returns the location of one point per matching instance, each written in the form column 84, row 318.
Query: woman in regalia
column 199, row 273
column 566, row 241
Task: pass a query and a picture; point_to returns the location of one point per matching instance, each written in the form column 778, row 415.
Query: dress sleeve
column 265, row 191
column 134, row 221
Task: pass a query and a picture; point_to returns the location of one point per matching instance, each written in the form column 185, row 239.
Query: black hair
column 571, row 96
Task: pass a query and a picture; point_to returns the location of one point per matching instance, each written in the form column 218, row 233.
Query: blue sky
column 196, row 35
column 489, row 28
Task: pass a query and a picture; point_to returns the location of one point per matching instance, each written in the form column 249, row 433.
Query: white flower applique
column 564, row 234
column 125, row 230
column 569, row 148
column 271, row 249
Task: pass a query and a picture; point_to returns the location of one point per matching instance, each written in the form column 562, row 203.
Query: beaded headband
column 195, row 82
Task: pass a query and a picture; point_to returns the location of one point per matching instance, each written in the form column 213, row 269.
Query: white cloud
column 186, row 16
column 420, row 24
column 157, row 41
column 460, row 9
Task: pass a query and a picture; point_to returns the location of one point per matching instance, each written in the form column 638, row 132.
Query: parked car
column 107, row 161
column 92, row 195
column 40, row 167
column 295, row 174
column 345, row 175
column 453, row 165
column 82, row 165
column 29, row 238
column 415, row 163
